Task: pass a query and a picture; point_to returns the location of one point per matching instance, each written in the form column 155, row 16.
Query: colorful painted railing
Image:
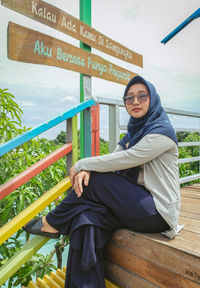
column 57, row 280
column 70, row 149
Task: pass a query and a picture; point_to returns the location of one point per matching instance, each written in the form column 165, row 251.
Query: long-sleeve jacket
column 158, row 156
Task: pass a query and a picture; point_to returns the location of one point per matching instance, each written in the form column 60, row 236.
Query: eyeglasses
column 141, row 98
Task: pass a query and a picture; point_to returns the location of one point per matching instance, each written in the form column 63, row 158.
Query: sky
column 174, row 68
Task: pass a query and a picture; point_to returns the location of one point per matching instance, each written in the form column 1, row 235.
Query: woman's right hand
column 72, row 173
column 82, row 177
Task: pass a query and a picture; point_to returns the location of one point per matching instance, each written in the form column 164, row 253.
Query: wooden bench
column 151, row 260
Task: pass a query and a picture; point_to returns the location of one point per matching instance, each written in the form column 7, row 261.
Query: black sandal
column 34, row 227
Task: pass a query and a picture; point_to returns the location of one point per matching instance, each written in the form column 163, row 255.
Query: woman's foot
column 40, row 226
column 46, row 227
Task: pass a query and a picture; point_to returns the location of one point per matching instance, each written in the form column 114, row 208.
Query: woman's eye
column 142, row 96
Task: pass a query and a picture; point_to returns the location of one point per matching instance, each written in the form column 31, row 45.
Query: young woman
column 135, row 187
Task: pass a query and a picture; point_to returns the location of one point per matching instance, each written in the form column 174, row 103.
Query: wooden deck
column 151, row 260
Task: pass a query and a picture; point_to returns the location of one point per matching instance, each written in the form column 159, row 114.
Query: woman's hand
column 80, row 178
column 72, row 173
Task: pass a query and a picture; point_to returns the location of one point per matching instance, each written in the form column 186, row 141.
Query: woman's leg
column 109, row 202
column 85, row 266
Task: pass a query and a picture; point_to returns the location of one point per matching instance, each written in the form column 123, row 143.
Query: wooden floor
column 151, row 260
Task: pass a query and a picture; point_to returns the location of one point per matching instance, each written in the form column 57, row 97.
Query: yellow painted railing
column 57, row 280
column 36, row 207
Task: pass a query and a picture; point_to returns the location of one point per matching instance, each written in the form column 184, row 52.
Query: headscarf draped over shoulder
column 155, row 121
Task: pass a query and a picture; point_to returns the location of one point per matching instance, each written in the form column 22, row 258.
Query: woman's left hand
column 82, row 176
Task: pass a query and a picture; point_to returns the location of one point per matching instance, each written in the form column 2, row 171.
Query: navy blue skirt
column 108, row 203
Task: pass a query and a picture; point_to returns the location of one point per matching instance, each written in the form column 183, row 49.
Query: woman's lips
column 137, row 109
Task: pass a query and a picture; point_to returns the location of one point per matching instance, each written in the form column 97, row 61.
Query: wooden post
column 74, row 139
column 114, row 127
column 87, row 132
column 68, row 140
column 85, row 16
column 95, row 130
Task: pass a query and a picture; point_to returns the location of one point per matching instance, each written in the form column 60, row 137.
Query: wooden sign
column 60, row 20
column 26, row 45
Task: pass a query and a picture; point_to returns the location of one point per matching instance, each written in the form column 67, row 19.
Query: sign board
column 26, row 45
column 62, row 21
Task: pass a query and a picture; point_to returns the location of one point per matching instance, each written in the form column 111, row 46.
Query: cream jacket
column 158, row 156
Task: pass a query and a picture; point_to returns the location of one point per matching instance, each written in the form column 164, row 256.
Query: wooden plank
column 190, row 215
column 58, row 279
column 193, row 186
column 39, row 205
column 191, row 225
column 124, row 278
column 152, row 272
column 21, row 139
column 16, row 182
column 191, row 193
column 41, row 283
column 190, row 204
column 62, row 21
column 21, row 257
column 186, row 241
column 170, row 254
column 26, row 45
column 51, row 283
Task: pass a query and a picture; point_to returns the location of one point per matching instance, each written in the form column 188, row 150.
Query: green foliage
column 10, row 117
column 191, row 168
column 61, row 138
column 104, row 147
column 12, row 164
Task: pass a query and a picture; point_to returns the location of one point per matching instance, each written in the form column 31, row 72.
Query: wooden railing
column 70, row 149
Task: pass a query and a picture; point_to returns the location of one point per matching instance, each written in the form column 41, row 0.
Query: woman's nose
column 135, row 100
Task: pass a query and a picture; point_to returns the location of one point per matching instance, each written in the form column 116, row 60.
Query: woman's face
column 137, row 109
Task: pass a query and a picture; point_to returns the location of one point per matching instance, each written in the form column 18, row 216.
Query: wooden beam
column 29, row 46
column 180, row 255
column 151, row 271
column 125, row 278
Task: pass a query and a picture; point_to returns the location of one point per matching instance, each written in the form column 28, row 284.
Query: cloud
column 27, row 104
column 68, row 99
column 132, row 13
